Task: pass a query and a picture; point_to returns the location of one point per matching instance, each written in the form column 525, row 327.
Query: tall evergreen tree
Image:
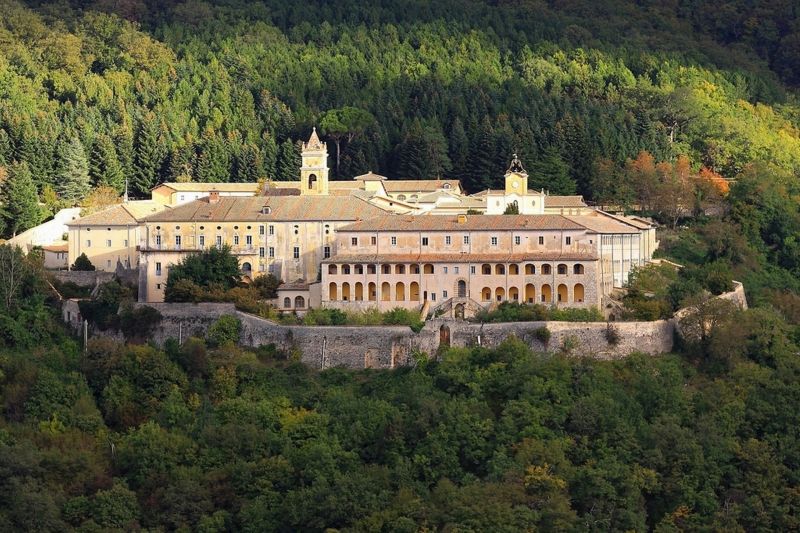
column 181, row 163
column 423, row 152
column 213, row 163
column 148, row 156
column 269, row 156
column 104, row 166
column 551, row 173
column 6, row 151
column 288, row 164
column 481, row 168
column 72, row 174
column 20, row 209
column 458, row 150
column 247, row 168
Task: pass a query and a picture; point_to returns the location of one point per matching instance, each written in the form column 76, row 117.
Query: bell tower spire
column 314, row 170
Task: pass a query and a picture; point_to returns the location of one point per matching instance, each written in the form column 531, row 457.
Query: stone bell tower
column 314, row 170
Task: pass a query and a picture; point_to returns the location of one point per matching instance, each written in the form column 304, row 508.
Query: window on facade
column 494, row 241
column 108, row 243
column 569, row 240
column 433, row 296
column 158, row 286
column 108, row 263
column 541, row 240
column 296, row 252
column 424, row 241
column 178, row 241
column 296, row 229
column 261, row 230
column 455, row 270
column 271, row 252
column 271, row 229
column 125, row 243
column 326, row 252
column 373, row 240
column 327, row 229
column 261, row 251
column 248, row 240
column 472, row 269
column 219, row 241
column 158, row 268
column 354, row 241
column 447, row 240
column 517, row 240
column 466, row 239
column 444, row 294
column 236, row 240
column 202, row 241
column 394, row 241
column 445, row 270
column 158, row 240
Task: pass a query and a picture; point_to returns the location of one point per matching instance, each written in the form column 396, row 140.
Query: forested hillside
column 222, row 91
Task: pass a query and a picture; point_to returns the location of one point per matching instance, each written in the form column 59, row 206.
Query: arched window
column 500, row 294
column 415, row 269
column 500, row 270
column 427, row 269
column 563, row 296
column 413, row 291
column 547, row 270
column 333, row 294
column 246, row 267
column 399, row 269
column 372, row 292
column 547, row 293
column 333, row 269
column 386, row 269
column 401, row 196
column 577, row 268
column 562, row 269
column 299, row 302
column 400, row 292
column 513, row 294
column 462, row 288
column 386, row 291
column 530, row 269
column 345, row 269
column 359, row 291
column 486, row 294
column 346, row 291
column 312, row 181
column 486, row 270
column 287, row 303
column 578, row 292
column 513, row 270
column 358, row 269
column 530, row 293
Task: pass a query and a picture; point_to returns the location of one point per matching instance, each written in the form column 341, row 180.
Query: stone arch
column 333, row 293
column 413, row 291
column 399, row 269
column 299, row 302
column 386, row 291
column 562, row 269
column 359, row 291
column 577, row 268
column 547, row 270
column 345, row 291
column 400, row 291
column 486, row 294
column 513, row 270
column 486, row 269
column 500, row 269
column 513, row 294
column 499, row 294
column 287, row 303
column 333, row 269
column 578, row 292
column 547, row 293
column 530, row 269
column 563, row 293
column 530, row 293
column 372, row 292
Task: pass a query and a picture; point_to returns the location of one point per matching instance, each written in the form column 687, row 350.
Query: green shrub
column 139, row 322
column 542, row 335
column 613, row 336
column 225, row 330
column 82, row 263
column 403, row 317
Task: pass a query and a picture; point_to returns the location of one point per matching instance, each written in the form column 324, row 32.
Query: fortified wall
column 359, row 347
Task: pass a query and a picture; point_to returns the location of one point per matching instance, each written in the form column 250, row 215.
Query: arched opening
column 333, row 293
column 530, row 269
column 345, row 269
column 386, row 292
column 486, row 294
column 530, row 293
column 547, row 270
column 373, row 292
column 386, row 269
column 486, row 270
column 247, row 267
column 312, row 181
column 578, row 292
column 562, row 269
column 513, row 294
column 413, row 291
column 462, row 288
column 333, row 269
column 444, row 336
column 287, row 303
column 359, row 291
column 299, row 302
column 400, row 291
column 513, row 270
column 427, row 268
column 358, row 269
column 345, row 291
column 500, row 270
column 499, row 294
column 563, row 295
column 371, row 269
column 415, row 269
column 577, row 268
column 547, row 293
column 399, row 269
column 459, row 311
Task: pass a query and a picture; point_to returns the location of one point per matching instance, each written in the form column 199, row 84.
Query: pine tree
column 213, row 163
column 551, row 173
column 458, row 151
column 20, row 201
column 6, row 151
column 104, row 166
column 248, row 165
column 481, row 170
column 269, row 156
column 288, row 164
column 181, row 167
column 72, row 174
column 148, row 156
column 123, row 140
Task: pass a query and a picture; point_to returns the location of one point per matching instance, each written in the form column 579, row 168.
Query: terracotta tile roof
column 126, row 214
column 370, row 176
column 419, row 185
column 282, row 208
column 461, row 258
column 471, row 222
column 343, row 185
column 55, row 247
column 205, row 187
column 636, row 222
column 602, row 223
column 564, row 201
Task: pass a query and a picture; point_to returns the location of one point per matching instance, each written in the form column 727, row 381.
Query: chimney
column 462, row 219
column 213, row 197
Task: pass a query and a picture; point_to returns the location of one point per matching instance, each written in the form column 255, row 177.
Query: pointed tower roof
column 313, row 141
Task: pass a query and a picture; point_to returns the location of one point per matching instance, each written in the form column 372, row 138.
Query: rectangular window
column 466, row 239
column 158, row 240
column 272, row 252
column 261, row 252
column 108, row 243
column 202, row 241
column 494, row 241
column 373, row 240
column 182, row 197
column 177, row 241
column 125, row 243
column 517, row 240
column 261, row 229
column 353, row 241
column 447, row 240
column 445, row 270
column 158, row 286
column 326, row 252
column 569, row 240
column 158, row 269
column 433, row 296
column 541, row 241
column 472, row 269
column 455, row 270
column 219, row 241
column 444, row 294
column 236, row 240
column 248, row 240
column 296, row 252
column 271, row 229
column 424, row 241
column 394, row 241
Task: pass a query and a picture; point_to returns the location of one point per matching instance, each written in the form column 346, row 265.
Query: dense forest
column 94, row 92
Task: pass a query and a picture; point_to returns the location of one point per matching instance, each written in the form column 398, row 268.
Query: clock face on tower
column 514, row 184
